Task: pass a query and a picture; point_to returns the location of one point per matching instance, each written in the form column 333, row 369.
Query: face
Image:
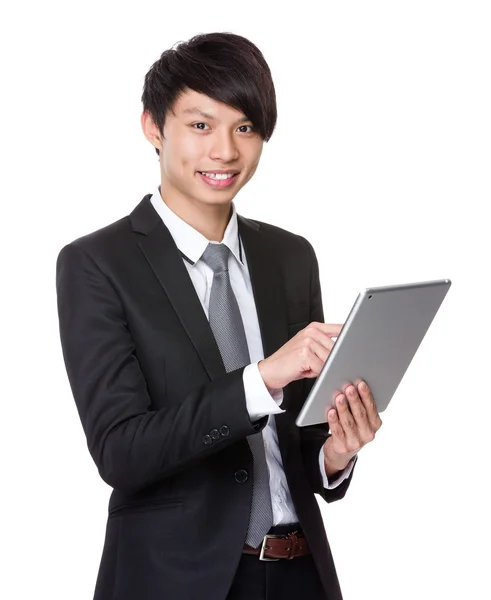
column 204, row 136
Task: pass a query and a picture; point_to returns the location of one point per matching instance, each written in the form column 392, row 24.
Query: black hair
column 226, row 67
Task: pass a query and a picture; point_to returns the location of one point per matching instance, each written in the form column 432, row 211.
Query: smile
column 218, row 180
column 218, row 175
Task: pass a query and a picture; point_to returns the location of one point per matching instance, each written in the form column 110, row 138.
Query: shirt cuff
column 338, row 479
column 260, row 400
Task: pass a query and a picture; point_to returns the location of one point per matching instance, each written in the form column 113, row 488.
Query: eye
column 250, row 127
column 194, row 125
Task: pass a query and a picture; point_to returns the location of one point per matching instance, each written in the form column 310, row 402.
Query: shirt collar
column 191, row 242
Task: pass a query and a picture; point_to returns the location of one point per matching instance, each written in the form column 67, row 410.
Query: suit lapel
column 160, row 250
column 162, row 254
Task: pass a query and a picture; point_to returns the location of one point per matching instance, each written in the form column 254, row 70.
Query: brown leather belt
column 274, row 547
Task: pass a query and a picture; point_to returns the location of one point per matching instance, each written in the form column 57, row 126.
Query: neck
column 210, row 220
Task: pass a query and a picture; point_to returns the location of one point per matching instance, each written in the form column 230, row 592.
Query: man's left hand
column 353, row 423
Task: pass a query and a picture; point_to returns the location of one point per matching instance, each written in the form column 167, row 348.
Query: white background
column 381, row 158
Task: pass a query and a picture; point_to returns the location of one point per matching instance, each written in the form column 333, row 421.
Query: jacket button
column 241, row 476
column 214, row 434
column 207, row 440
column 224, row 430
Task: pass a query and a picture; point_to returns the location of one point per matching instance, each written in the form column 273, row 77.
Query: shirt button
column 214, row 434
column 207, row 440
column 224, row 430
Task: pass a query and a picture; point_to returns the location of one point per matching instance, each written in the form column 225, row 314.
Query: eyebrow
column 206, row 115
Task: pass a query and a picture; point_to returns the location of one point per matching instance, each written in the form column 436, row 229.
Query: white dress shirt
column 259, row 400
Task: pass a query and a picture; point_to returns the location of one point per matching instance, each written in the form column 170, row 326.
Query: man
column 191, row 337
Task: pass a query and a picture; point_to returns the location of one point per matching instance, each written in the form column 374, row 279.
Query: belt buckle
column 263, row 547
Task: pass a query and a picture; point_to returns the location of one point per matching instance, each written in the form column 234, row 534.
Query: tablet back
column 376, row 344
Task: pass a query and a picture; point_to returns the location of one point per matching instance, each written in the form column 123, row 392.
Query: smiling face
column 204, row 136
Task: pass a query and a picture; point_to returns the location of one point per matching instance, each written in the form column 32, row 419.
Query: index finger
column 330, row 329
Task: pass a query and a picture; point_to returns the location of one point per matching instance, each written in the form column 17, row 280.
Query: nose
column 224, row 147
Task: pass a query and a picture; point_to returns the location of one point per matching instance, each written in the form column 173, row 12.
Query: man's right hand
column 301, row 357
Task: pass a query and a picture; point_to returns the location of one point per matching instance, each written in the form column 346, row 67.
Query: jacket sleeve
column 132, row 444
column 314, row 436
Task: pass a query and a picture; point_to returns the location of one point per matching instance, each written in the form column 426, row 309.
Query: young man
column 191, row 337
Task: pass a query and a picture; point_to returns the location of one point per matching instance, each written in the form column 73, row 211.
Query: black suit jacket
column 165, row 423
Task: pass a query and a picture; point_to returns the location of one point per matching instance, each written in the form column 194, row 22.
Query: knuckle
column 305, row 350
column 337, row 430
column 349, row 422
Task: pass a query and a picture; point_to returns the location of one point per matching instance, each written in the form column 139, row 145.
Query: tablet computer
column 379, row 339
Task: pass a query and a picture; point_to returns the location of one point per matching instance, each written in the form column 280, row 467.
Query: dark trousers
column 280, row 580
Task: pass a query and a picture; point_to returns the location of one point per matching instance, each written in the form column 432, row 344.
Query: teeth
column 219, row 175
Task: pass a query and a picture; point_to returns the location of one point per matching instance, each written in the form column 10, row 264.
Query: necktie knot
column 216, row 257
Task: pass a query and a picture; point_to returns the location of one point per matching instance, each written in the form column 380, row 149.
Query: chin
column 220, row 201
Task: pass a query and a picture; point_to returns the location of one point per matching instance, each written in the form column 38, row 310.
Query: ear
column 150, row 130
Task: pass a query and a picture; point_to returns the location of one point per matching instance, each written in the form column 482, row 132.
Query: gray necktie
column 228, row 329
